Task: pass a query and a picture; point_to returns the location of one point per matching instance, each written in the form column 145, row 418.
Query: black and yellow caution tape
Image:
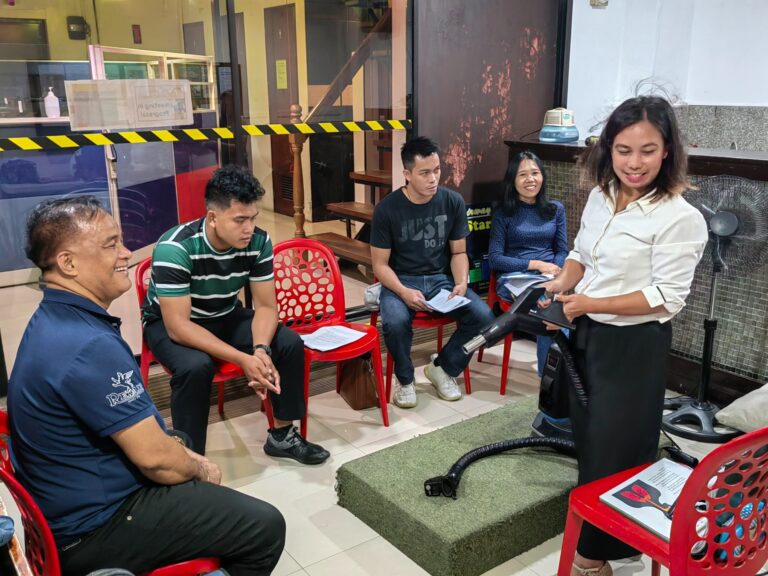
column 72, row 141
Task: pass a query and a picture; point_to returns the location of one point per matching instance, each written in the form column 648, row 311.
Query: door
column 332, row 161
column 282, row 82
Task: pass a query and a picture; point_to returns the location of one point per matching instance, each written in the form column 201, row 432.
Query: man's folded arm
column 158, row 456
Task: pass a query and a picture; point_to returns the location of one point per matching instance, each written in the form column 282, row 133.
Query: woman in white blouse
column 631, row 270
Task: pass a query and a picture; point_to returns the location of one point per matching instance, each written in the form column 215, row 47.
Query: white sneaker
column 405, row 395
column 445, row 385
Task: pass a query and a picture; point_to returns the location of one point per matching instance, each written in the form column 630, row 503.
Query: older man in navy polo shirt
column 87, row 440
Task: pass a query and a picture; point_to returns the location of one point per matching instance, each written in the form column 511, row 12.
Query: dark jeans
column 193, row 370
column 162, row 525
column 397, row 320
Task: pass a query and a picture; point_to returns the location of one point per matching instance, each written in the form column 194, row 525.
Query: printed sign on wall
column 119, row 104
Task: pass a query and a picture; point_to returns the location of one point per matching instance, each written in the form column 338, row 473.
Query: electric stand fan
column 736, row 211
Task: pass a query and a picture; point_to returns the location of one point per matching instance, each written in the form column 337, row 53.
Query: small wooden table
column 359, row 211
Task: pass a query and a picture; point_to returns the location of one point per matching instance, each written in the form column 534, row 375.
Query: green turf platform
column 507, row 504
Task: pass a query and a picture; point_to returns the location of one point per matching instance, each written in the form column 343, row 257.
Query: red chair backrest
column 143, row 273
column 40, row 547
column 719, row 524
column 308, row 284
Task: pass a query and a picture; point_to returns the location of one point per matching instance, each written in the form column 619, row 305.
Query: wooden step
column 380, row 178
column 361, row 211
column 346, row 248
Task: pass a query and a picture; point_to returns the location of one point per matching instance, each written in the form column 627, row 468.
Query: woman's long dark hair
column 544, row 207
column 597, row 164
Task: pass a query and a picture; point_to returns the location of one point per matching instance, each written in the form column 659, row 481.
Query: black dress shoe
column 295, row 447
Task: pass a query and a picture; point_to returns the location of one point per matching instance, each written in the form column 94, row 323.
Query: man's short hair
column 52, row 222
column 420, row 146
column 232, row 183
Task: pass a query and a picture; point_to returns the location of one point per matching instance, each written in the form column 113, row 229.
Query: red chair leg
column 307, row 366
column 266, row 406
column 467, row 381
column 221, row 398
column 383, row 399
column 573, row 524
column 439, row 339
column 480, row 354
column 390, row 368
column 655, row 569
column 505, row 365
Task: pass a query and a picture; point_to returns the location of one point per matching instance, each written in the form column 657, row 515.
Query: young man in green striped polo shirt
column 192, row 314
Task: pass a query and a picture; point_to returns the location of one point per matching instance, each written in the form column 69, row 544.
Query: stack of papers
column 517, row 284
column 441, row 303
column 331, row 337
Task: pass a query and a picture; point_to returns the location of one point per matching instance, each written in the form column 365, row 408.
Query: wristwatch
column 264, row 347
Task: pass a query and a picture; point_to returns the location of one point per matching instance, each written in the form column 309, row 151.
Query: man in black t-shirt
column 418, row 246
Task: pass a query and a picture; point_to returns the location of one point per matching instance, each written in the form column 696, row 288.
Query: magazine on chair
column 648, row 498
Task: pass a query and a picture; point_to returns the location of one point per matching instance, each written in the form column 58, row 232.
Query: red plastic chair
column 225, row 370
column 423, row 320
column 719, row 523
column 493, row 298
column 310, row 295
column 39, row 545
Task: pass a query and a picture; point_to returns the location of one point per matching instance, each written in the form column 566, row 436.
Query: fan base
column 700, row 418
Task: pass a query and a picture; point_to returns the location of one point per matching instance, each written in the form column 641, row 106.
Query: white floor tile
column 640, row 567
column 511, row 567
column 317, row 527
column 286, row 566
column 388, row 441
column 363, row 427
column 237, row 446
column 376, row 557
column 544, row 558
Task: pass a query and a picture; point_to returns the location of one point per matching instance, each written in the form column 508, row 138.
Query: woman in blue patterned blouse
column 528, row 233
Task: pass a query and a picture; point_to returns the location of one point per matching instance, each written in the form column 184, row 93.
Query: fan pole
column 710, row 326
column 695, row 418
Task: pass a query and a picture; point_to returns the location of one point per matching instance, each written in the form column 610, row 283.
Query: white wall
column 698, row 51
column 728, row 53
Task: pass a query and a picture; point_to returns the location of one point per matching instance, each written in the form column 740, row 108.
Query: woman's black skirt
column 625, row 372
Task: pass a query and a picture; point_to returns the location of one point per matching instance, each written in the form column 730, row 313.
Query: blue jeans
column 543, row 343
column 397, row 320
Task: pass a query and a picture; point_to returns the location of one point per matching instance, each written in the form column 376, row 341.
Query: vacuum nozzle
column 441, row 486
column 474, row 344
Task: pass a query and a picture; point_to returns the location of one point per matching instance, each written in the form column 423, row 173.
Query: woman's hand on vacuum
column 552, row 287
column 575, row 305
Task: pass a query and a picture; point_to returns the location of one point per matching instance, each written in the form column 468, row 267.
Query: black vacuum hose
column 448, row 485
column 570, row 367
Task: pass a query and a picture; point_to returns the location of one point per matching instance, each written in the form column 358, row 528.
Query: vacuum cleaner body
column 553, row 419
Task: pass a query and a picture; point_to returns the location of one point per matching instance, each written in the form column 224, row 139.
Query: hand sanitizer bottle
column 52, row 109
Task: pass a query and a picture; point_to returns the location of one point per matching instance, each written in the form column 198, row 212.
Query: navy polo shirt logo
column 130, row 390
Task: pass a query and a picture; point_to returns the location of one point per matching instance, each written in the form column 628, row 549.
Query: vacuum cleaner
column 551, row 425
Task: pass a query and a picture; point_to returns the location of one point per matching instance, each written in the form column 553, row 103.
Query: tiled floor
column 324, row 539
